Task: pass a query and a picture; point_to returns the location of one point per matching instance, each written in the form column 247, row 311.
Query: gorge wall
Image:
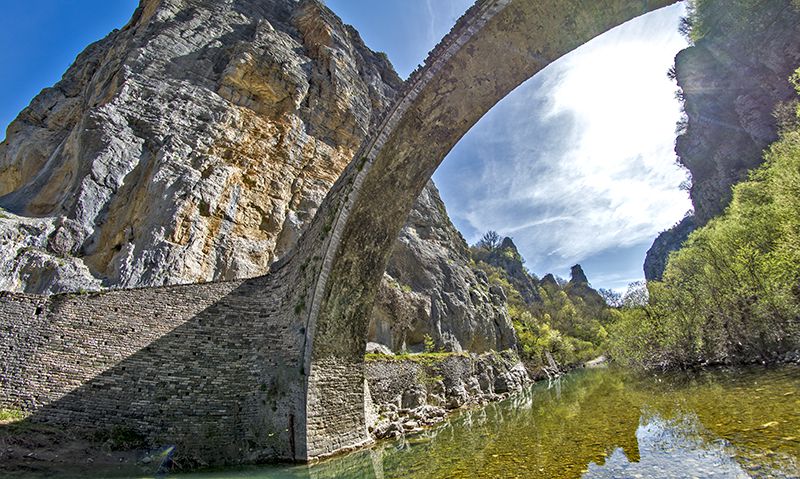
column 192, row 145
column 195, row 145
column 732, row 80
column 430, row 289
column 407, row 394
column 334, row 272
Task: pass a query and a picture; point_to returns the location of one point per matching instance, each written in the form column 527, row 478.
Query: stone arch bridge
column 272, row 367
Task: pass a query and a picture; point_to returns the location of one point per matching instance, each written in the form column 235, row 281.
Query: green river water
column 598, row 423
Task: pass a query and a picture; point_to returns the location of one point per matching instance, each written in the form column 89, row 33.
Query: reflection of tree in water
column 753, row 413
column 681, row 447
column 553, row 432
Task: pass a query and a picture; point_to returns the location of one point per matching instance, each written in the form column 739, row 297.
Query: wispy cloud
column 579, row 161
column 432, row 36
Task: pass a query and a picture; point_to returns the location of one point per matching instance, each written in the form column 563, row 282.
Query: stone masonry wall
column 407, row 393
column 354, row 228
column 214, row 369
column 228, row 379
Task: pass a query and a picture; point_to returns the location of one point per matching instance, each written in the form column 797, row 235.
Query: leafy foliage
column 611, row 297
column 707, row 16
column 11, row 415
column 732, row 293
column 490, row 241
column 568, row 321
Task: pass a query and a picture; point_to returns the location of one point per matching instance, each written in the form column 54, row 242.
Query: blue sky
column 39, row 40
column 576, row 165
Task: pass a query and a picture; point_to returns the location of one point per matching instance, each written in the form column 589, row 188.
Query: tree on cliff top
column 490, row 241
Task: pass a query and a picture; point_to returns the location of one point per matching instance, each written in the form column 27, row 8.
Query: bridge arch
column 495, row 47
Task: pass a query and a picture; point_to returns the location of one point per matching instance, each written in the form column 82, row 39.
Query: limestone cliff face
column 578, row 287
column 430, row 290
column 196, row 143
column 192, row 145
column 732, row 80
column 508, row 258
column 671, row 240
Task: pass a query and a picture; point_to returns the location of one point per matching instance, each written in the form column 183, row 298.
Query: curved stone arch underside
column 495, row 47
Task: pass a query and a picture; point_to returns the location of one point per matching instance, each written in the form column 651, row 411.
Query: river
column 598, row 423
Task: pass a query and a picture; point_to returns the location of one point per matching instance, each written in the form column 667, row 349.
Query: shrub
column 732, row 293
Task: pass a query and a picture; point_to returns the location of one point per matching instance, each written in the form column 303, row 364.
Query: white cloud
column 432, row 37
column 579, row 160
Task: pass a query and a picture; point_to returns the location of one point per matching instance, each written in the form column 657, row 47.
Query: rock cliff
column 192, row 145
column 430, row 290
column 407, row 394
column 671, row 240
column 578, row 287
column 196, row 143
column 732, row 80
column 507, row 257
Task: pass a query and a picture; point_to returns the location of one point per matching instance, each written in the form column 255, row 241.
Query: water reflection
column 670, row 449
column 599, row 424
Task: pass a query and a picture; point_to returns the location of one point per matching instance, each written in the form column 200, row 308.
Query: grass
column 420, row 358
column 8, row 416
column 406, row 288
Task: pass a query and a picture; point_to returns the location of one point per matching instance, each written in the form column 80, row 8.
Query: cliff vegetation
column 732, row 293
column 565, row 320
column 730, row 80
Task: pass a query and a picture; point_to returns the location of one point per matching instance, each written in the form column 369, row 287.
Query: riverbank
column 407, row 393
column 596, row 423
column 36, row 450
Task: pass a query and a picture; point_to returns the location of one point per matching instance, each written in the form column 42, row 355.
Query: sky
column 39, row 40
column 576, row 165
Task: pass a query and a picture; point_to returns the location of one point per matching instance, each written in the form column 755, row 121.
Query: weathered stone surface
column 334, row 272
column 274, row 98
column 671, row 240
column 508, row 258
column 732, row 80
column 578, row 286
column 467, row 73
column 431, row 291
column 193, row 145
column 377, row 348
column 214, row 369
column 404, row 391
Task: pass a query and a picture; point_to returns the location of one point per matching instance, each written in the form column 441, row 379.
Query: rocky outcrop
column 430, row 291
column 192, row 145
column 671, row 240
column 732, row 80
column 195, row 145
column 507, row 257
column 408, row 394
column 578, row 287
